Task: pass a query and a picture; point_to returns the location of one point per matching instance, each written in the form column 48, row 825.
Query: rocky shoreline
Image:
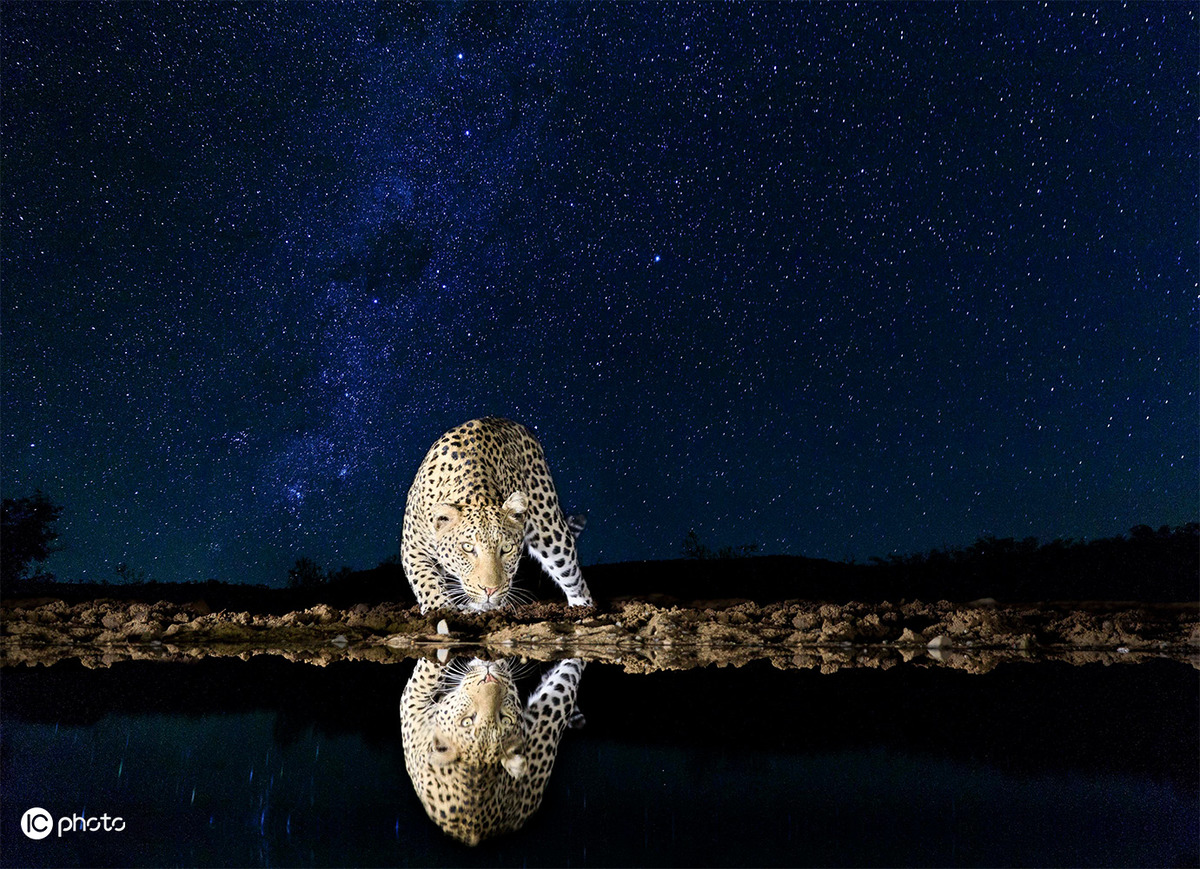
column 640, row 634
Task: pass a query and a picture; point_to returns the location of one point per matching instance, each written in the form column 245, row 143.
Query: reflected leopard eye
column 467, row 547
column 468, row 721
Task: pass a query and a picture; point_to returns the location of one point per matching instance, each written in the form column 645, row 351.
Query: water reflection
column 227, row 762
column 479, row 760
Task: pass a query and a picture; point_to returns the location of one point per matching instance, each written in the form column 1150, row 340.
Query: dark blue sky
column 839, row 280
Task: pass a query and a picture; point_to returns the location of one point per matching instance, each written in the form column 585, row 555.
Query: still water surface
column 265, row 762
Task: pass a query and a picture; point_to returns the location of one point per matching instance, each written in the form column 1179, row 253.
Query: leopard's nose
column 489, row 592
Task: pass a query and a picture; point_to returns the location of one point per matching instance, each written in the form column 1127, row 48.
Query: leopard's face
column 480, row 548
column 478, row 722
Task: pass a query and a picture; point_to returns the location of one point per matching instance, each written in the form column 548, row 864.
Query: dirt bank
column 637, row 634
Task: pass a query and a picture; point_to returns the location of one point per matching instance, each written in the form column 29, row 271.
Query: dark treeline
column 345, row 590
column 1145, row 565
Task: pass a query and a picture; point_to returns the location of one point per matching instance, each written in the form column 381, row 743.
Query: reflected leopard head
column 478, row 721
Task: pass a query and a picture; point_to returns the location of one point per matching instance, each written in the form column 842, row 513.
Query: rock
column 140, row 629
column 443, row 627
column 941, row 641
column 805, row 621
column 323, row 613
column 838, row 631
column 89, row 615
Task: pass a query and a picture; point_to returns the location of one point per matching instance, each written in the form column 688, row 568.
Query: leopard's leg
column 419, row 695
column 427, row 581
column 552, row 544
column 421, row 690
column 547, row 713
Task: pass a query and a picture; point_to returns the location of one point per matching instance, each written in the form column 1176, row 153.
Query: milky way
column 836, row 280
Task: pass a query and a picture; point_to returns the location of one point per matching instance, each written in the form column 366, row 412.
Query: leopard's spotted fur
column 482, row 493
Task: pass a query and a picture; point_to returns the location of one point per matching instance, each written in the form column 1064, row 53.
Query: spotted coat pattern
column 479, row 774
column 481, row 495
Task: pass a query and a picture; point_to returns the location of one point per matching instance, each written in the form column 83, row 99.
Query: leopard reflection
column 479, row 760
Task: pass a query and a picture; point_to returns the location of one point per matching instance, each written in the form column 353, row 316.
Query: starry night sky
column 838, row 280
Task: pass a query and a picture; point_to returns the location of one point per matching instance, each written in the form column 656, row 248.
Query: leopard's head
column 478, row 723
column 480, row 547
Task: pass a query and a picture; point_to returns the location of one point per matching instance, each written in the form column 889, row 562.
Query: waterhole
column 266, row 762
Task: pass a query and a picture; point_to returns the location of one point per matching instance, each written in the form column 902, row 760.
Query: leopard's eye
column 468, row 721
column 468, row 547
column 507, row 547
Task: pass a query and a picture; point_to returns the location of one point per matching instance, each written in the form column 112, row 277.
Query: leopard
column 478, row 759
column 482, row 496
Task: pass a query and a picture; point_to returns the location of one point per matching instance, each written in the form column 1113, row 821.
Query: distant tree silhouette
column 307, row 574
column 130, row 575
column 693, row 548
column 27, row 533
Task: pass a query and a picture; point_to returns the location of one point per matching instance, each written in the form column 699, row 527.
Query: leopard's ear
column 517, row 503
column 442, row 751
column 445, row 517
